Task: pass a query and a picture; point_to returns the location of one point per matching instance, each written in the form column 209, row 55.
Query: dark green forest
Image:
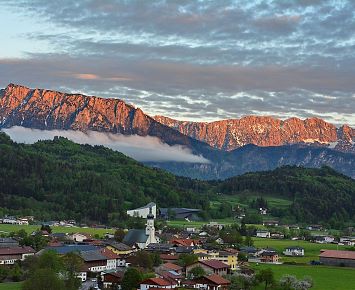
column 60, row 179
column 317, row 195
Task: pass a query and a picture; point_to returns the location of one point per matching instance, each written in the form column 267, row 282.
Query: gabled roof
column 294, row 248
column 135, row 236
column 172, row 266
column 149, row 205
column 16, row 251
column 156, row 281
column 169, row 257
column 217, row 280
column 349, row 255
column 215, row 264
column 71, row 248
column 120, row 246
column 90, row 256
column 109, row 254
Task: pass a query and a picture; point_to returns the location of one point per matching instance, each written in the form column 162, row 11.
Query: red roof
column 156, row 281
column 109, row 254
column 185, row 242
column 16, row 251
column 169, row 257
column 215, row 264
column 218, row 280
column 172, row 266
column 338, row 254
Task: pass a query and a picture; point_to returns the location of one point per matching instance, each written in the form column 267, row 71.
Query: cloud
column 190, row 59
column 142, row 149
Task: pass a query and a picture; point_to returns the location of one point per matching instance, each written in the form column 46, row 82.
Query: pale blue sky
column 198, row 60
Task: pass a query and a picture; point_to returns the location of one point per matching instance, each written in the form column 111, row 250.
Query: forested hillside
column 317, row 195
column 61, row 179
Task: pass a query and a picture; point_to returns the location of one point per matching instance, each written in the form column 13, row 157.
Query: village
column 188, row 257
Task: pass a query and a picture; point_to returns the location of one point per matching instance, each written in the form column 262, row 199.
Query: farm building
column 337, row 258
column 143, row 211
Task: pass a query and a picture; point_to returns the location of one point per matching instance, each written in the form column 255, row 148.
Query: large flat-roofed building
column 337, row 258
column 143, row 211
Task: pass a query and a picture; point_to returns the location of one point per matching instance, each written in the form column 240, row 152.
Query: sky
column 189, row 60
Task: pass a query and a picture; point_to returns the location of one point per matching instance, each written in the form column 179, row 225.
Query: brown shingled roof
column 156, row 281
column 16, row 251
column 215, row 264
column 218, row 280
column 338, row 254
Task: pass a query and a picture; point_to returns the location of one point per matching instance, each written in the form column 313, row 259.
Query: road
column 86, row 285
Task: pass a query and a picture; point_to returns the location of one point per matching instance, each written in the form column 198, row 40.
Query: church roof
column 135, row 236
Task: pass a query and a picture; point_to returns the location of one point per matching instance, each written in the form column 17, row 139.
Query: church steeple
column 149, row 229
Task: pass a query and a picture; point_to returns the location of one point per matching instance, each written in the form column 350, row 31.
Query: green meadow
column 7, row 228
column 312, row 250
column 10, row 286
column 324, row 278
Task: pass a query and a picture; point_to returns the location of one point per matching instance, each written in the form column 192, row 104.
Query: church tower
column 149, row 229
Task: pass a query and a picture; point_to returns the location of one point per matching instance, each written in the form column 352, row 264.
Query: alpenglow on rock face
column 264, row 131
column 47, row 110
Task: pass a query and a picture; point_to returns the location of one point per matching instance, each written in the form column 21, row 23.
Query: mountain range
column 233, row 146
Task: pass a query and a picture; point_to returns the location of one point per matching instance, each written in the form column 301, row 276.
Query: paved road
column 86, row 285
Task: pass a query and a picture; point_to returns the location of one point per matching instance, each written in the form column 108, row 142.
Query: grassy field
column 7, row 228
column 197, row 224
column 324, row 278
column 10, row 286
column 311, row 249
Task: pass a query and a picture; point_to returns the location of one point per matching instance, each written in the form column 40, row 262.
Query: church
column 142, row 238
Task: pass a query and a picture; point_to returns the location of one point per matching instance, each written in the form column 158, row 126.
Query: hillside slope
column 316, row 194
column 60, row 179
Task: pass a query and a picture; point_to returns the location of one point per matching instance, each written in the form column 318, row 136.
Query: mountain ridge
column 49, row 110
column 263, row 131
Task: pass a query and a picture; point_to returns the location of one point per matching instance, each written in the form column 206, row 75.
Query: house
column 143, row 211
column 324, row 239
column 263, row 234
column 315, row 227
column 184, row 242
column 349, row 241
column 277, row 235
column 171, row 276
column 112, row 280
column 170, row 267
column 94, row 261
column 65, row 249
column 212, row 282
column 294, row 251
column 169, row 258
column 337, row 258
column 157, row 283
column 210, row 267
column 271, row 223
column 120, row 248
column 142, row 238
column 231, row 259
column 159, row 248
column 269, row 257
column 8, row 243
column 8, row 256
column 189, row 214
column 79, row 237
column 113, row 260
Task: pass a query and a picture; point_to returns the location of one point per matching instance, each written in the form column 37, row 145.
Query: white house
column 79, row 237
column 263, row 234
column 143, row 211
column 294, row 251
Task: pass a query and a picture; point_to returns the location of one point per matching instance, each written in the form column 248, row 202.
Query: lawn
column 10, row 286
column 311, row 249
column 324, row 278
column 7, row 228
